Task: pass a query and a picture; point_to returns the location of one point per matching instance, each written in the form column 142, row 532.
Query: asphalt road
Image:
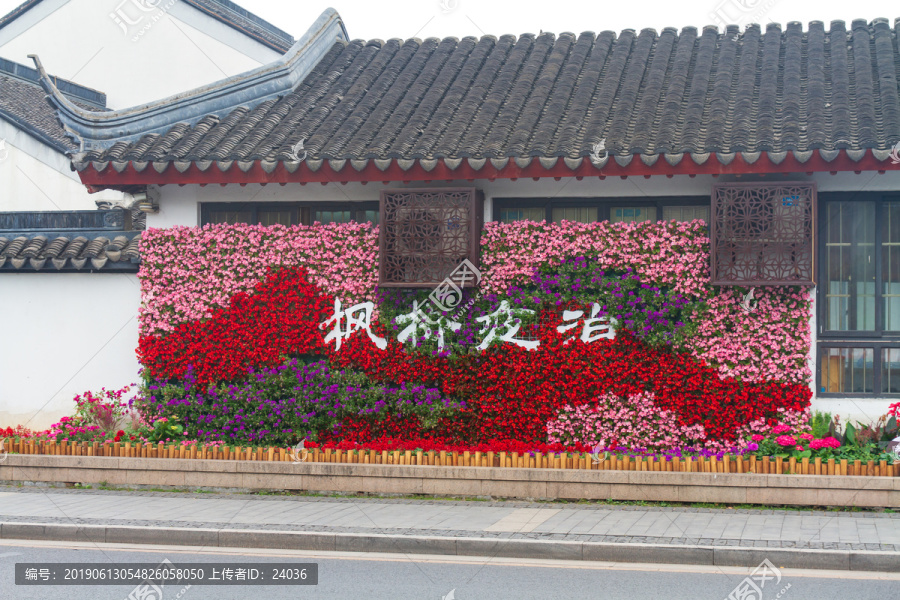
column 399, row 577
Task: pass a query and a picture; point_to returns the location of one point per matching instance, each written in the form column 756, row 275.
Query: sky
column 381, row 19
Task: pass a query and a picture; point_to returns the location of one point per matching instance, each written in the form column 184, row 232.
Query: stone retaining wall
column 550, row 484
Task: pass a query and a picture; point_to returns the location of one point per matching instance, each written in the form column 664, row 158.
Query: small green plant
column 165, row 430
column 820, row 424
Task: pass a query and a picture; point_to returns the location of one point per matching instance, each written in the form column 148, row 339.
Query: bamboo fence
column 537, row 460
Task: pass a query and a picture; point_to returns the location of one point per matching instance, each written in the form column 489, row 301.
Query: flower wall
column 702, row 365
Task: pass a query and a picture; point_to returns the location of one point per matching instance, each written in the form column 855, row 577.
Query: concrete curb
column 731, row 556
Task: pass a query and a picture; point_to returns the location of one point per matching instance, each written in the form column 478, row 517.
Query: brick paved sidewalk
column 513, row 520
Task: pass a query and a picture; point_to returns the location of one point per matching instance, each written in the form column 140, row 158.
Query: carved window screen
column 426, row 234
column 763, row 234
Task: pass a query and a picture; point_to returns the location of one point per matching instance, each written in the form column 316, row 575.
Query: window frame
column 821, row 306
column 603, row 204
column 879, row 339
column 302, row 213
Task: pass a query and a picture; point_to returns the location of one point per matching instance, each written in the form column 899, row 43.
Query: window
column 589, row 210
column 685, row 213
column 288, row 213
column 632, row 215
column 859, row 295
column 848, row 370
column 579, row 214
column 522, row 214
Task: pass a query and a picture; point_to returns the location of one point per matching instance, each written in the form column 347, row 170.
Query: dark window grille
column 426, row 234
column 762, row 234
column 288, row 213
column 590, row 210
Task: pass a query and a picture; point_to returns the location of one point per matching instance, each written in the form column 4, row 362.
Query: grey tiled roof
column 649, row 93
column 23, row 103
column 246, row 22
column 70, row 251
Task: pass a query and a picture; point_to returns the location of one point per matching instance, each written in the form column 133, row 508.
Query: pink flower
column 800, row 448
column 785, row 440
column 780, row 429
column 828, row 442
column 758, row 438
column 806, row 436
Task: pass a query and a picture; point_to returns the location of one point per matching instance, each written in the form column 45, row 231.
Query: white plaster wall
column 168, row 50
column 34, row 176
column 63, row 334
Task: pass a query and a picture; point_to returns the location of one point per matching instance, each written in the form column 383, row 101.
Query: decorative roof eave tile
column 101, row 130
column 451, row 169
column 71, row 251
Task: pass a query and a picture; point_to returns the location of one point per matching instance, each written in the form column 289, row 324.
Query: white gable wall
column 169, row 50
column 34, row 176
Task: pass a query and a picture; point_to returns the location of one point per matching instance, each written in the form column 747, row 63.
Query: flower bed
column 578, row 333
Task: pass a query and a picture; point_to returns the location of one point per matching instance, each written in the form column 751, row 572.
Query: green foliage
column 820, row 423
column 165, row 430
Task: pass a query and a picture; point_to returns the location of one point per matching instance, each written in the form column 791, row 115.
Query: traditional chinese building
column 783, row 139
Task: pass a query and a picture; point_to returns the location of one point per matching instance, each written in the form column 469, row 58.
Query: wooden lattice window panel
column 763, row 234
column 426, row 234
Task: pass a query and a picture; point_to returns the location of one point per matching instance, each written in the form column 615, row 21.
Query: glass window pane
column 685, row 213
column 890, row 265
column 534, row 213
column 632, row 214
column 579, row 214
column 275, row 217
column 332, row 216
column 890, row 370
column 369, row 216
column 848, row 370
column 229, row 216
column 849, row 284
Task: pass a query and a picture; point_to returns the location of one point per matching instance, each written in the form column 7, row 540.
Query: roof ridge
column 67, row 87
column 282, row 40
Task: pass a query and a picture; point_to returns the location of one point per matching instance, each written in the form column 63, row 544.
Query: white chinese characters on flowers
column 504, row 318
column 595, row 327
column 347, row 322
column 421, row 323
